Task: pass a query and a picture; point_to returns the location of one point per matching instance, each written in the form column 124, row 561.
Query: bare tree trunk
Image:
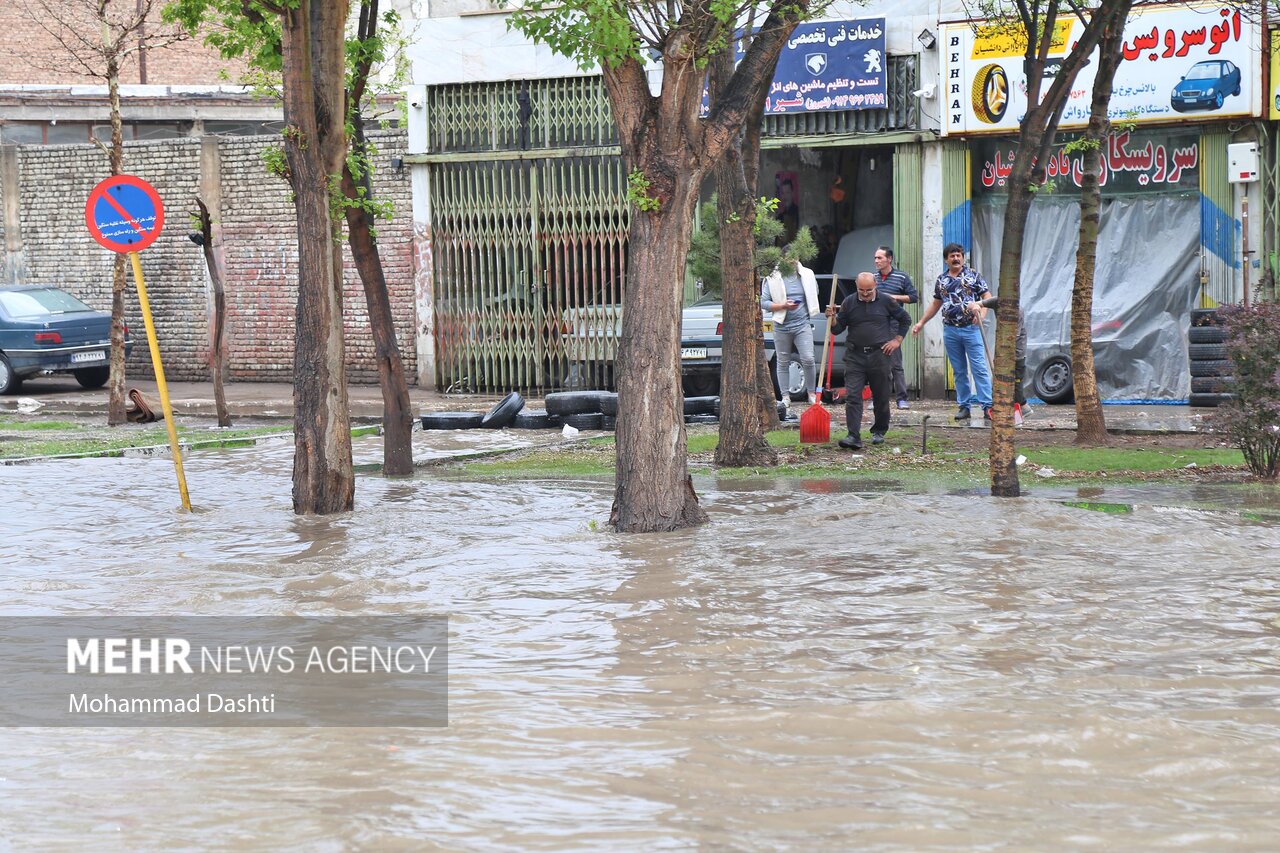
column 654, row 490
column 116, row 378
column 744, row 413
column 1091, row 424
column 315, row 146
column 397, row 415
column 217, row 345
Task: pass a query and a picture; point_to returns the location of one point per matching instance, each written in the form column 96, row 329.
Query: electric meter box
column 1242, row 162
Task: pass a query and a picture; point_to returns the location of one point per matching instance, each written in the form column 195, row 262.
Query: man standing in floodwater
column 877, row 323
column 958, row 293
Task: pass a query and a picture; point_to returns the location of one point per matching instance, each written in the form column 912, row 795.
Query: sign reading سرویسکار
column 124, row 213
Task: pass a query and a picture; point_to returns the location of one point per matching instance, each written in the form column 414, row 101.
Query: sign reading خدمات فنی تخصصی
column 1179, row 62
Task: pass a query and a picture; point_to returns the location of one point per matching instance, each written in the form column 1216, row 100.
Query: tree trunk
column 397, row 414
column 742, row 411
column 116, row 378
column 217, row 344
column 314, row 71
column 1091, row 424
column 654, row 490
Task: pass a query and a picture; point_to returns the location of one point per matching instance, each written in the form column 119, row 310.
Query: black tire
column 1209, row 401
column 503, row 414
column 783, row 411
column 9, row 381
column 584, row 420
column 1212, row 384
column 1217, row 367
column 564, row 403
column 700, row 405
column 532, row 419
column 1207, row 352
column 1053, row 380
column 452, row 420
column 701, row 384
column 92, row 377
column 701, row 419
column 798, row 396
column 1206, row 334
column 608, row 422
column 609, row 403
column 1204, row 317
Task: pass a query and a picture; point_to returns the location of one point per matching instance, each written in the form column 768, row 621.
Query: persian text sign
column 831, row 65
column 1199, row 61
column 1132, row 163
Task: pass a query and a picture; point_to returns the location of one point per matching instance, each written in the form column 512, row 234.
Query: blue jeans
column 966, row 353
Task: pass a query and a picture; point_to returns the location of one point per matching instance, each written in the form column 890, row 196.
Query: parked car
column 47, row 330
column 1206, row 86
column 701, row 344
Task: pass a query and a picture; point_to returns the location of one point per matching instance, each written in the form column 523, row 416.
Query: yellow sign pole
column 160, row 383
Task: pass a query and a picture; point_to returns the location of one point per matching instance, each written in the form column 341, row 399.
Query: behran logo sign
column 1197, row 61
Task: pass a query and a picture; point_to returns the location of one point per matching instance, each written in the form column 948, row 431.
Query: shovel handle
column 828, row 356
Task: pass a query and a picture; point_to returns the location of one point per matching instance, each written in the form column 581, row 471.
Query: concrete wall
column 46, row 241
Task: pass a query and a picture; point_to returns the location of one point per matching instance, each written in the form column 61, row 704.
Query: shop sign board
column 829, row 66
column 1180, row 62
column 1142, row 162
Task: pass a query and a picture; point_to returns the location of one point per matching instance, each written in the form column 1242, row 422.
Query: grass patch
column 543, row 464
column 10, row 425
column 1098, row 459
column 113, row 441
column 1100, row 506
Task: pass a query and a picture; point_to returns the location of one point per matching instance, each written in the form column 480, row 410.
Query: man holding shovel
column 877, row 324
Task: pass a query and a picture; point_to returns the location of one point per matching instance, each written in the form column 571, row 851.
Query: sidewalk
column 62, row 396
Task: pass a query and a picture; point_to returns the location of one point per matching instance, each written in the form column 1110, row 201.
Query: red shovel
column 815, row 423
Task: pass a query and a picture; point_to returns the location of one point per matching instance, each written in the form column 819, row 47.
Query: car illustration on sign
column 1206, row 85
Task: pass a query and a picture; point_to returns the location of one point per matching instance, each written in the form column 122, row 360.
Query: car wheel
column 1236, row 93
column 702, row 385
column 1218, row 101
column 532, row 419
column 9, row 381
column 92, row 377
column 1053, row 382
column 566, row 403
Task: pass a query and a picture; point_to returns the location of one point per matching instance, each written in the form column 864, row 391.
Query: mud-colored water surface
column 814, row 670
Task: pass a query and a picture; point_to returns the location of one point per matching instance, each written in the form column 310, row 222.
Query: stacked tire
column 1211, row 379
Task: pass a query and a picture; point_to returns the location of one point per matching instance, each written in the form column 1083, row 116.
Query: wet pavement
column 816, row 669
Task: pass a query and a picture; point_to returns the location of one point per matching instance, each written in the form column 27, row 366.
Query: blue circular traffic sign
column 124, row 213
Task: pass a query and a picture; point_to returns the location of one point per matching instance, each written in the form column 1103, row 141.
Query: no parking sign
column 124, row 213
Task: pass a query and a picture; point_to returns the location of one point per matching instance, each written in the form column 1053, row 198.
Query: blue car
column 1206, row 86
column 46, row 330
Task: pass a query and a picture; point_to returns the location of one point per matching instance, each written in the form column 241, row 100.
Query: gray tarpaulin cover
column 1146, row 284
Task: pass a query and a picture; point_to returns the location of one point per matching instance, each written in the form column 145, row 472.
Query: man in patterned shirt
column 958, row 293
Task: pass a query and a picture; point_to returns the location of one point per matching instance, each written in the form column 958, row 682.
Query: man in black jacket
column 877, row 323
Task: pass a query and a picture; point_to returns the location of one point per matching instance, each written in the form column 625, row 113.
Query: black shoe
column 877, row 438
column 963, row 413
column 849, row 442
column 986, row 413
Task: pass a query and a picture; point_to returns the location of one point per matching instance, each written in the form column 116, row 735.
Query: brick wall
column 33, row 55
column 260, row 251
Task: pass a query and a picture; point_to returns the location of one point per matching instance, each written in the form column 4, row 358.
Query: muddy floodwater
column 817, row 669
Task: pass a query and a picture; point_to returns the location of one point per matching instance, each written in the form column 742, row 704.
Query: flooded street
column 811, row 671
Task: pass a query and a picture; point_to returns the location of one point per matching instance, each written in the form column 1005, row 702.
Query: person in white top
column 790, row 295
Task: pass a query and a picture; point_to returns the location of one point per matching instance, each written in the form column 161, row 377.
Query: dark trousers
column 899, row 375
column 1019, row 374
column 861, row 369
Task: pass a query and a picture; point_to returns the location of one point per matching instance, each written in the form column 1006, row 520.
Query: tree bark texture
column 397, row 413
column 1035, row 137
column 218, row 323
column 744, row 413
column 116, row 378
column 315, row 148
column 1091, row 424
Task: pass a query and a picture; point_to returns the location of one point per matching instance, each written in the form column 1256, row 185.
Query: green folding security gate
column 529, row 266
